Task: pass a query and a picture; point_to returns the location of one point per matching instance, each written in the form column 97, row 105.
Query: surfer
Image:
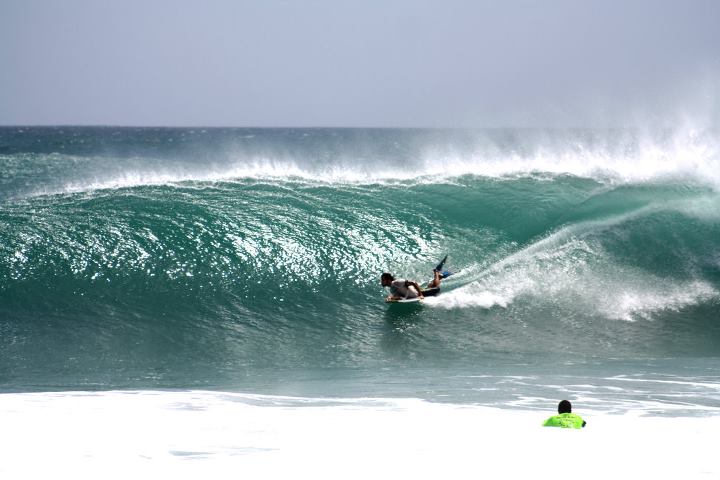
column 564, row 418
column 406, row 289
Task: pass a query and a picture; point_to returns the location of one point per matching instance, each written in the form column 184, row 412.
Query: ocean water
column 207, row 300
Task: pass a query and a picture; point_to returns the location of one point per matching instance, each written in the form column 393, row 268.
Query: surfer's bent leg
column 437, row 278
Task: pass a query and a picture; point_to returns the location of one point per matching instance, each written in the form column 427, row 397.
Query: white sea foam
column 219, row 435
column 618, row 293
column 633, row 301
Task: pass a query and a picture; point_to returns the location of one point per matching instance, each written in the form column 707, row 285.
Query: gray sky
column 387, row 63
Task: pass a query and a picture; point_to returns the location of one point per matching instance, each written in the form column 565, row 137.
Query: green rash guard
column 565, row 420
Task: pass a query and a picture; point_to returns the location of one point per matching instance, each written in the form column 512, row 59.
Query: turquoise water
column 250, row 259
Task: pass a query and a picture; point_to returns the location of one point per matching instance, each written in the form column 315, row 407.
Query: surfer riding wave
column 402, row 289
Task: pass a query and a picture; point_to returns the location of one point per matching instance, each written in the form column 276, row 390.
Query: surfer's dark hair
column 387, row 276
column 564, row 407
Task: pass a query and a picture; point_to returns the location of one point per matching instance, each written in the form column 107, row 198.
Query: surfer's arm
column 392, row 298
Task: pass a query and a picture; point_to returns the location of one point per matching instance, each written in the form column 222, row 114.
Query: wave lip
column 685, row 164
column 361, row 157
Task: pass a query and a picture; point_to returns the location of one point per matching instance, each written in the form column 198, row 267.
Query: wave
column 244, row 272
column 299, row 238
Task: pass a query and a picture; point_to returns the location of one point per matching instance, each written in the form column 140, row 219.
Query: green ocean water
column 135, row 258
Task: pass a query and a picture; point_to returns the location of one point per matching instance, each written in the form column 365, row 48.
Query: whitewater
column 192, row 300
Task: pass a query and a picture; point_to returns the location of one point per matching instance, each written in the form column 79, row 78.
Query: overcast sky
column 393, row 63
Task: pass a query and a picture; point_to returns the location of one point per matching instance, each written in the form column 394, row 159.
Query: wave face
column 132, row 255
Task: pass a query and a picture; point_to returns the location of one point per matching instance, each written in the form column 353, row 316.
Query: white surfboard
column 406, row 300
